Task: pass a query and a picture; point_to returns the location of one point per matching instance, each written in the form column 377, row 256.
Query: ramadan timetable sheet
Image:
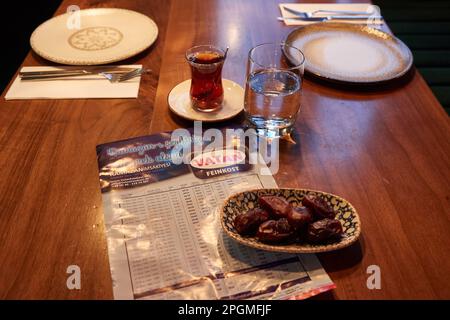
column 164, row 236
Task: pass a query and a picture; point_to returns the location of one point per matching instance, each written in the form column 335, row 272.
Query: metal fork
column 313, row 13
column 120, row 77
column 321, row 19
column 112, row 76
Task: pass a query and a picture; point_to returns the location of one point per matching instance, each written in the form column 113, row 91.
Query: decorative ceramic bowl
column 243, row 201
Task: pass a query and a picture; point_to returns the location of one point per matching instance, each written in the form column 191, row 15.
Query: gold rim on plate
column 58, row 59
column 386, row 45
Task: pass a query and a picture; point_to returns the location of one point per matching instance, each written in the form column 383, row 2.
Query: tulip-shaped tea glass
column 273, row 88
column 206, row 63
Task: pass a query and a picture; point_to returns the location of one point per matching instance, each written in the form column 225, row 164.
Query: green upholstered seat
column 425, row 27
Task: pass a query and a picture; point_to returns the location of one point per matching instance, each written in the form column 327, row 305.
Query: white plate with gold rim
column 103, row 35
column 233, row 103
column 351, row 53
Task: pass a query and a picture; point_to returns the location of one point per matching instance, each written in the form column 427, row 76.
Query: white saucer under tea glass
column 180, row 102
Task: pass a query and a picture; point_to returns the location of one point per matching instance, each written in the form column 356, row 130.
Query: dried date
column 248, row 222
column 278, row 207
column 323, row 230
column 320, row 207
column 275, row 231
column 299, row 217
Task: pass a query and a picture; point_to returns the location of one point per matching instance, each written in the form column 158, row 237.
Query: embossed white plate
column 94, row 36
column 351, row 53
column 180, row 102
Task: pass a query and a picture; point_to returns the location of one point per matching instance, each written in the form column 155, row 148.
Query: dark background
column 423, row 25
column 18, row 19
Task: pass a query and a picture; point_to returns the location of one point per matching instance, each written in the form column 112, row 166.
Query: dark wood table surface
column 385, row 149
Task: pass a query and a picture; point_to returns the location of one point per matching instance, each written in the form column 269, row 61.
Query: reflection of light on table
column 232, row 35
column 143, row 244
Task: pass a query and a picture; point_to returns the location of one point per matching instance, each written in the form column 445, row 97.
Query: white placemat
column 85, row 87
column 310, row 7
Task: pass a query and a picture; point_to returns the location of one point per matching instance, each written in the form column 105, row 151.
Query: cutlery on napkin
column 311, row 7
column 72, row 72
column 83, row 87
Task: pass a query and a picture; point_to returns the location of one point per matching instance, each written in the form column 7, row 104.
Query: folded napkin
column 310, row 7
column 85, row 87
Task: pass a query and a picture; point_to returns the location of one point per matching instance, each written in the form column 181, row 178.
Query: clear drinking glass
column 273, row 88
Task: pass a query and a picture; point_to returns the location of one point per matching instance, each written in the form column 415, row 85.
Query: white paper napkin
column 310, row 7
column 86, row 87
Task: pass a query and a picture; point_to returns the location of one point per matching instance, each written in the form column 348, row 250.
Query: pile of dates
column 277, row 221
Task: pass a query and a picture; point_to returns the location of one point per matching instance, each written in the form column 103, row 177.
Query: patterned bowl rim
column 296, row 248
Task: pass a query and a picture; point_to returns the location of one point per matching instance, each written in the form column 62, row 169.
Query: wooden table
column 385, row 150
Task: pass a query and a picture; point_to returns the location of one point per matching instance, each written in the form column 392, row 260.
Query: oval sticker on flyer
column 219, row 162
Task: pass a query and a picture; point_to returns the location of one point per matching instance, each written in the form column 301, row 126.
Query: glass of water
column 273, row 88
